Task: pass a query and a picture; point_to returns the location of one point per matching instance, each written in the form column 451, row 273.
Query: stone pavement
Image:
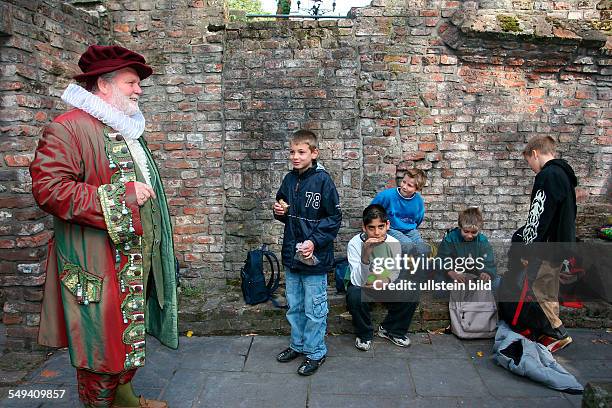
column 240, row 371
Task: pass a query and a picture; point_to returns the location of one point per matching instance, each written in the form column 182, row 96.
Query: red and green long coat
column 100, row 293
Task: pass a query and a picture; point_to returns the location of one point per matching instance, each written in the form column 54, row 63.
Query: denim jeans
column 307, row 314
column 411, row 242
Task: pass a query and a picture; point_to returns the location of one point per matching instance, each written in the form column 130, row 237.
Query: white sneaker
column 363, row 345
column 402, row 341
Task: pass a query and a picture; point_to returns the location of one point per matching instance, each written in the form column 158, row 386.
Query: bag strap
column 272, row 284
column 274, row 281
column 519, row 306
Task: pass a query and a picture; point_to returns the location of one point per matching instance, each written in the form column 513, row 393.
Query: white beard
column 122, row 102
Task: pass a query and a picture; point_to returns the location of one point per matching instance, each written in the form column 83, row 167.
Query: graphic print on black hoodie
column 552, row 214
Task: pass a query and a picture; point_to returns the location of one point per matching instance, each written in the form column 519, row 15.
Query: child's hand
column 368, row 246
column 458, row 277
column 375, row 241
column 280, row 207
column 484, row 277
column 307, row 248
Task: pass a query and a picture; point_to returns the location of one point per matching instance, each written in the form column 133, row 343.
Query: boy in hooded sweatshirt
column 308, row 204
column 551, row 219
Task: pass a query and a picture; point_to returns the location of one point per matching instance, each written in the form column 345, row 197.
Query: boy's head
column 414, row 180
column 303, row 150
column 470, row 223
column 538, row 151
column 375, row 221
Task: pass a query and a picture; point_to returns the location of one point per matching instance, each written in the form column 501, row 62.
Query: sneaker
column 555, row 339
column 402, row 341
column 363, row 345
column 287, row 355
column 309, row 366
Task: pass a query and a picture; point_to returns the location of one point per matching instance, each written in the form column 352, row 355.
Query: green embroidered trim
column 135, row 359
column 134, row 333
column 133, row 304
column 118, row 218
column 86, row 287
column 131, row 273
column 116, row 214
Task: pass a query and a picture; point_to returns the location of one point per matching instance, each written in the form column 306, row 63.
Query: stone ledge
column 534, row 26
column 227, row 314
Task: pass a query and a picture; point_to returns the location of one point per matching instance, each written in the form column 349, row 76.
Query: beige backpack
column 473, row 313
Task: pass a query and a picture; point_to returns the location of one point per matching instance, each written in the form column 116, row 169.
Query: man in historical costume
column 111, row 265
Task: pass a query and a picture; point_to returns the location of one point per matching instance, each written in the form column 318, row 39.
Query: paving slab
column 56, row 370
column 241, row 371
column 254, row 390
column 588, row 345
column 548, row 402
column 364, row 376
column 227, row 353
column 185, row 387
column 438, row 377
column 262, row 356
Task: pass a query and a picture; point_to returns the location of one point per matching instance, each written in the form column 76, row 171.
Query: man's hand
column 458, row 277
column 307, row 248
column 484, row 277
column 143, row 192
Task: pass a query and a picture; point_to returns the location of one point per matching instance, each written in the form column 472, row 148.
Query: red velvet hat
column 101, row 59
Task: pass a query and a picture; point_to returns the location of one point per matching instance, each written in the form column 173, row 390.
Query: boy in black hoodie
column 308, row 204
column 552, row 218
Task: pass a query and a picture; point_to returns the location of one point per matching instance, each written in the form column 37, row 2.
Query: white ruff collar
column 130, row 127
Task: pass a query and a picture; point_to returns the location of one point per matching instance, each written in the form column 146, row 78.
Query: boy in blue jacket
column 308, row 204
column 406, row 209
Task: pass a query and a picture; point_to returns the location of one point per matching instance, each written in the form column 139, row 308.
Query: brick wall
column 183, row 105
column 40, row 43
column 404, row 84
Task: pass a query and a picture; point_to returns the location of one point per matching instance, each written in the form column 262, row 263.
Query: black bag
column 255, row 289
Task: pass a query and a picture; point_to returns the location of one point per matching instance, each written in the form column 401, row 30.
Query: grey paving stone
column 449, row 344
column 160, row 366
column 9, row 377
column 369, row 401
column 446, row 378
column 503, row 383
column 351, row 401
column 252, row 390
column 185, row 387
column 215, row 353
column 262, row 356
column 588, row 370
column 378, row 376
column 575, row 400
column 588, row 345
column 56, row 370
column 549, row 402
column 473, row 351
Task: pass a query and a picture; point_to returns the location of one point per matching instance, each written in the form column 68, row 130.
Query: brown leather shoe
column 146, row 403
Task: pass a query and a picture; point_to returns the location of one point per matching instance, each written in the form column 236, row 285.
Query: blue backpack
column 255, row 289
column 342, row 274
